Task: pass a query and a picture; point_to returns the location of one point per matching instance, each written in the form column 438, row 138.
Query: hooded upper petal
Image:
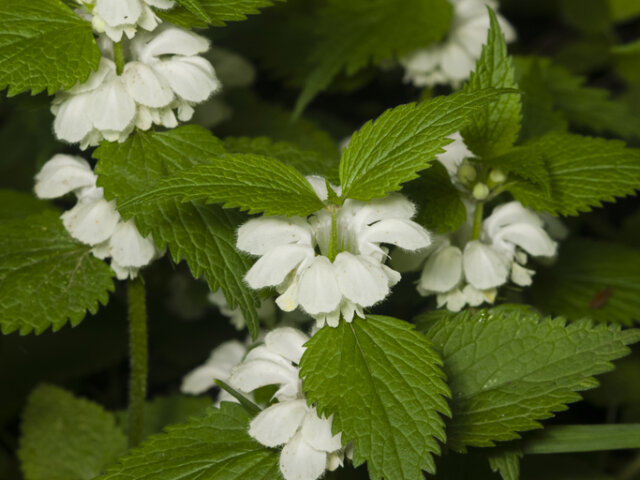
column 532, row 239
column 287, row 342
column 400, row 232
column 192, row 78
column 484, row 268
column 63, row 174
column 272, row 268
column 261, row 235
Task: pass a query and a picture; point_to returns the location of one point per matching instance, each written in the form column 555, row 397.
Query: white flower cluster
column 452, row 60
column 94, row 220
column 462, row 271
column 310, row 447
column 328, row 288
column 165, row 74
column 115, row 17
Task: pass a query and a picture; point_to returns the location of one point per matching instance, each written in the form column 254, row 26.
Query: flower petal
column 272, row 268
column 118, row 12
column 400, row 232
column 191, row 78
column 361, row 280
column 317, row 432
column 276, row 424
column 300, row 461
column 111, row 107
column 129, row 248
column 508, row 214
column 63, row 174
column 532, row 239
column 454, row 300
column 72, row 123
column 170, row 41
column 287, row 342
column 318, row 290
column 260, row 235
column 252, row 374
column 484, row 268
column 145, row 86
column 521, row 275
column 443, row 270
column 91, row 221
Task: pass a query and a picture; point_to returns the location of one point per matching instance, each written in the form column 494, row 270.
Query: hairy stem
column 138, row 358
column 333, row 244
column 118, row 57
column 477, row 221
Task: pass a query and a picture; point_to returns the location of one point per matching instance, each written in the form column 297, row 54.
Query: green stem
column 138, row 358
column 118, row 57
column 584, row 438
column 477, row 221
column 333, row 244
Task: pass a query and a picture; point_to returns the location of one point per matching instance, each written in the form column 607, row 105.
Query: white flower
column 115, row 17
column 94, row 220
column 470, row 272
column 218, row 366
column 310, row 447
column 356, row 278
column 266, row 310
column 165, row 74
column 454, row 153
column 452, row 60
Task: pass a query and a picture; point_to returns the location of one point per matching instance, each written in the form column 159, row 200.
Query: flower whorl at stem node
column 296, row 254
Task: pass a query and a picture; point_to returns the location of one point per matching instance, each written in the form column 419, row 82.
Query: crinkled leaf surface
column 508, row 368
column 391, row 149
column 382, row 382
column 583, row 172
column 202, row 234
column 216, row 446
column 494, row 129
column 251, row 182
column 199, row 13
column 352, row 34
column 67, row 438
column 44, row 45
column 595, row 279
column 46, row 277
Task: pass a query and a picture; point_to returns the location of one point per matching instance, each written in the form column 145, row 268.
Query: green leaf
column 595, row 279
column 307, row 162
column 440, row 206
column 506, row 461
column 583, row 171
column 18, row 205
column 494, row 129
column 46, row 277
column 202, row 234
column 216, row 446
column 200, row 13
column 526, row 163
column 251, row 182
column 622, row 10
column 67, row 438
column 509, row 368
column 352, row 34
column 390, row 150
column 44, row 45
column 583, row 438
column 382, row 382
column 167, row 410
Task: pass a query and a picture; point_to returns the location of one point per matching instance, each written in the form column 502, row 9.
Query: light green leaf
column 440, row 206
column 494, row 129
column 583, row 171
column 352, row 34
column 506, row 461
column 307, row 162
column 67, row 438
column 192, row 13
column 250, row 182
column 46, row 277
column 526, row 163
column 382, row 382
column 202, row 234
column 216, row 446
column 391, row 149
column 509, row 368
column 622, row 10
column 44, row 45
column 595, row 279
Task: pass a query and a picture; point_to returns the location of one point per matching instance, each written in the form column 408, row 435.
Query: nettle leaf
column 18, row 205
column 44, row 45
column 595, row 279
column 200, row 13
column 46, row 277
column 440, row 206
column 346, row 38
column 216, row 446
column 250, row 182
column 67, row 438
column 506, row 461
column 391, row 149
column 382, row 382
column 583, row 171
column 526, row 163
column 494, row 129
column 307, row 162
column 202, row 234
column 508, row 368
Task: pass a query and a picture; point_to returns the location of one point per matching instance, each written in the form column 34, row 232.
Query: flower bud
column 480, row 191
column 496, row 177
column 467, row 173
